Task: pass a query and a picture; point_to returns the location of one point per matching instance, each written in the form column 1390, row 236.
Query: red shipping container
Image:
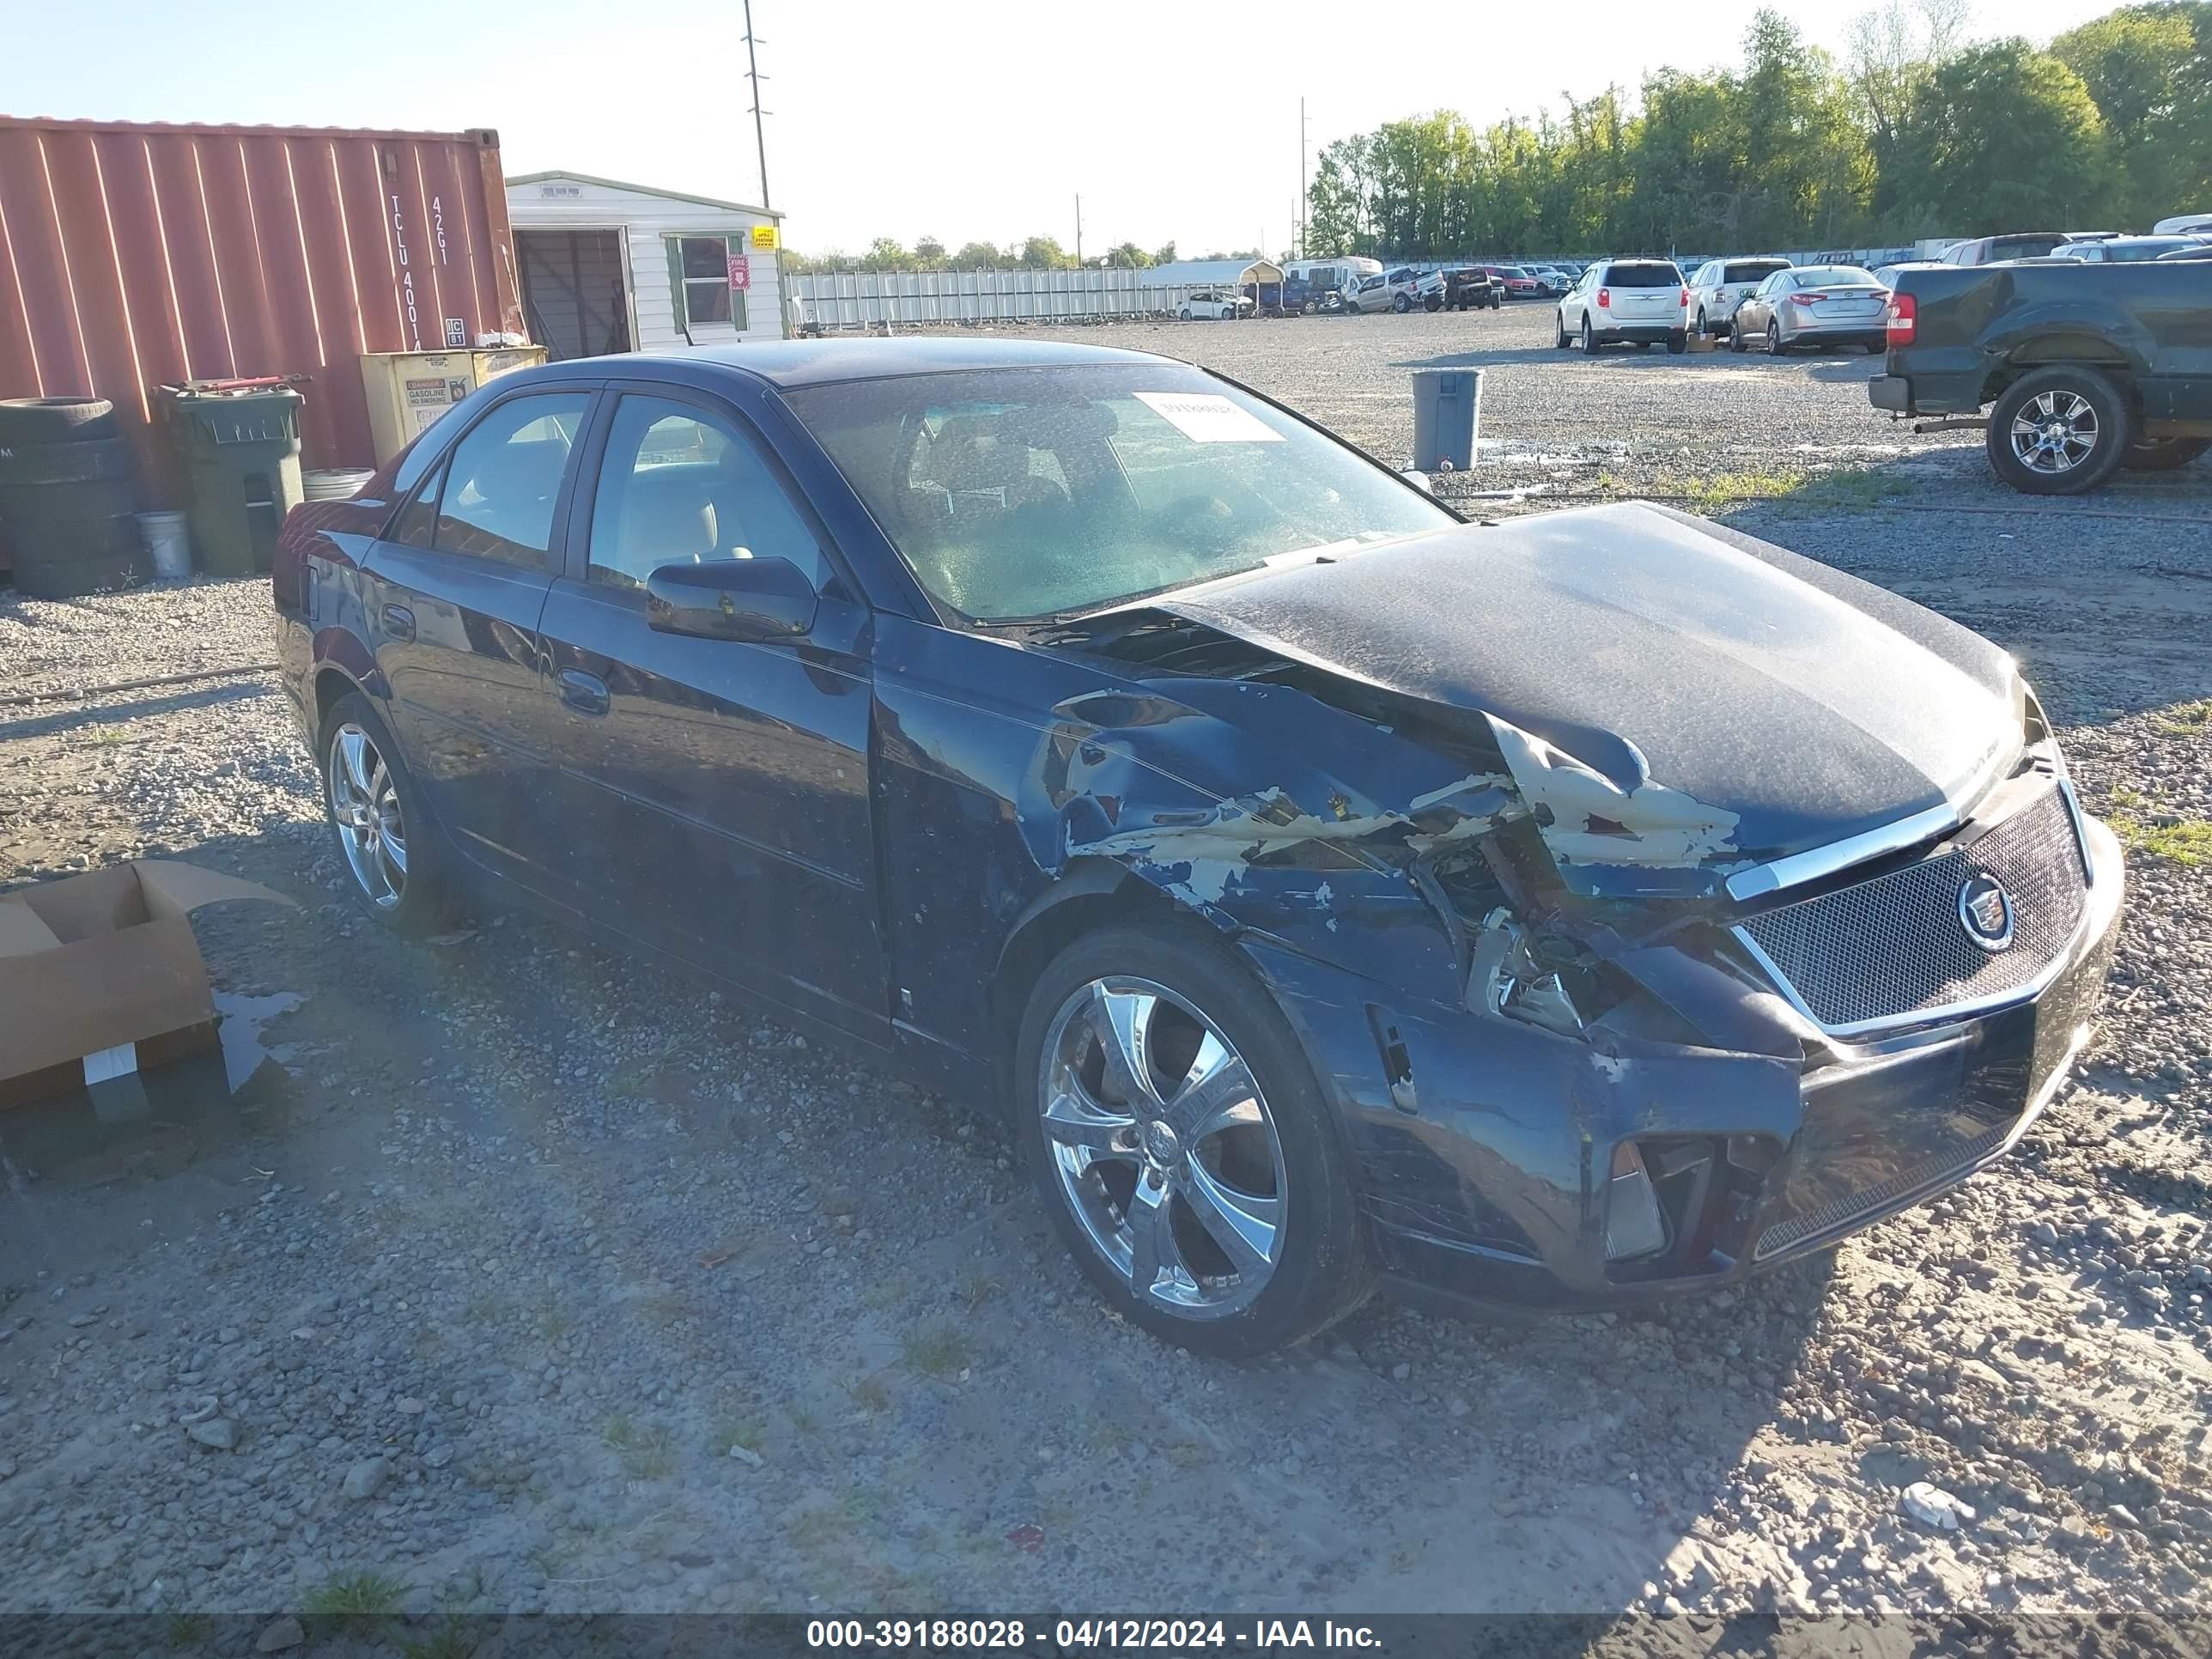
column 135, row 254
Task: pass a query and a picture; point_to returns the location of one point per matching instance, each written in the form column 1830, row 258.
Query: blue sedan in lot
column 1341, row 894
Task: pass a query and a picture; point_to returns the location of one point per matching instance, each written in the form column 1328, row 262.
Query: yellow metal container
column 410, row 390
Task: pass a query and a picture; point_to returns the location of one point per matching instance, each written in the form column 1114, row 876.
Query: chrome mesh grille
column 1892, row 948
column 1840, row 1212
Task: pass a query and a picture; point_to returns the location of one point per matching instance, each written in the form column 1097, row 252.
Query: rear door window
column 1752, row 271
column 504, row 479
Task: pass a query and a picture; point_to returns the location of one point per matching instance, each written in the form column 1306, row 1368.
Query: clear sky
column 938, row 117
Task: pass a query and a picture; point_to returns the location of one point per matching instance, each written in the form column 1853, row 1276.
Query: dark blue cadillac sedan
column 1339, row 893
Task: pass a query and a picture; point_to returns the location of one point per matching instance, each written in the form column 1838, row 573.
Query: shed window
column 702, row 265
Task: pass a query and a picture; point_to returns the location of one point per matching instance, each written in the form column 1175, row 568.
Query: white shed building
column 605, row 266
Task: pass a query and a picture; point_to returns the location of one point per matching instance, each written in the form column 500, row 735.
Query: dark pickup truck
column 2084, row 368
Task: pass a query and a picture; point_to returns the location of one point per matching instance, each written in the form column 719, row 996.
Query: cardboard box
column 100, row 976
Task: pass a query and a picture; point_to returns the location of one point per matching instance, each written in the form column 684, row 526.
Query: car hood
column 1676, row 702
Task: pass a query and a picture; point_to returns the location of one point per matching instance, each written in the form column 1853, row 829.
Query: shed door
column 573, row 292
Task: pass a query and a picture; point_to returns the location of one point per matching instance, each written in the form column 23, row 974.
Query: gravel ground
column 523, row 1276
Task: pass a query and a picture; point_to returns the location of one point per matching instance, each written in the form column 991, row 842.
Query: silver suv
column 1719, row 286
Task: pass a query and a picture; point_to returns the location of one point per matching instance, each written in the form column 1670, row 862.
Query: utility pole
column 759, row 146
column 753, row 74
column 1298, row 235
column 1079, row 226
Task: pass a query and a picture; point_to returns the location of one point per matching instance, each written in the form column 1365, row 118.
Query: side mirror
column 732, row 600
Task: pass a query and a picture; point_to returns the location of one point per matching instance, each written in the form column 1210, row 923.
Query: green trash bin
column 239, row 451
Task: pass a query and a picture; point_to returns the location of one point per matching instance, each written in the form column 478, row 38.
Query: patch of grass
column 556, row 1319
column 977, row 1287
column 1855, row 487
column 1109, row 1435
column 1727, row 488
column 2188, row 841
column 1189, row 1455
column 870, row 1394
column 185, row 1630
column 802, row 1420
column 484, row 1309
column 107, row 737
column 618, row 1431
column 940, row 1352
column 355, row 1596
column 651, row 1456
column 2189, row 720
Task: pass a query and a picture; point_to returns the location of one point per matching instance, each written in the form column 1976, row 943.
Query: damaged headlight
column 1541, row 980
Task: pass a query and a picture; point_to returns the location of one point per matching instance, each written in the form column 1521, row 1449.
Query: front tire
column 1702, row 329
column 1773, row 339
column 1559, row 318
column 386, row 842
column 1184, row 313
column 1183, row 1145
column 2162, row 455
column 2058, row 432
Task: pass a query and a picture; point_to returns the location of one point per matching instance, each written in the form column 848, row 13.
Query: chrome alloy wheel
column 365, row 806
column 1164, row 1147
column 2055, row 432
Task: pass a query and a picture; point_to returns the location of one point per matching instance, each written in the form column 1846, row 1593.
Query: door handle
column 585, row 693
column 399, row 622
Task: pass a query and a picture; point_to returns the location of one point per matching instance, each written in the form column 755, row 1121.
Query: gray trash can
column 1447, row 402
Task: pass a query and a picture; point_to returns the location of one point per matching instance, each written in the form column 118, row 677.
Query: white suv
column 1720, row 285
column 1214, row 302
column 1640, row 301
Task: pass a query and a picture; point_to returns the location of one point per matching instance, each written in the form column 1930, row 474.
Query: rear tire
column 378, row 781
column 2162, row 455
column 1677, row 345
column 1589, row 337
column 1401, row 305
column 2064, row 399
column 1318, row 1268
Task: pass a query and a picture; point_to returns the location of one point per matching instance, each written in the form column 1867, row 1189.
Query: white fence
column 962, row 296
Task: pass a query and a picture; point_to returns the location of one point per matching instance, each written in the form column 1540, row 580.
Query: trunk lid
column 1740, row 703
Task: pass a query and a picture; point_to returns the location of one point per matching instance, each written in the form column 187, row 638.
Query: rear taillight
column 1685, row 299
column 1604, row 299
column 1903, row 318
column 1808, row 299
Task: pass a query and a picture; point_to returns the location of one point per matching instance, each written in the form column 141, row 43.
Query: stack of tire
column 67, row 490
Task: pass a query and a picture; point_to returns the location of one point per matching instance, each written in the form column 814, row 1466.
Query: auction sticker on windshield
column 1208, row 418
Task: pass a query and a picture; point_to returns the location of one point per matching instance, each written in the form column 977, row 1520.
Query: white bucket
column 166, row 540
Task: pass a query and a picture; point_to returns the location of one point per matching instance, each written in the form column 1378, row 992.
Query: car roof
column 790, row 363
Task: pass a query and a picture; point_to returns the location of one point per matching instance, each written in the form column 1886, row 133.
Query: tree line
column 1917, row 132
column 1033, row 253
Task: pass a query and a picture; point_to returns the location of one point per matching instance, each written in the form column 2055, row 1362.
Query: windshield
column 1833, row 276
column 2143, row 250
column 1032, row 492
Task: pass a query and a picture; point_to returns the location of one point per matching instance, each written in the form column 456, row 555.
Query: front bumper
column 1486, row 1147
